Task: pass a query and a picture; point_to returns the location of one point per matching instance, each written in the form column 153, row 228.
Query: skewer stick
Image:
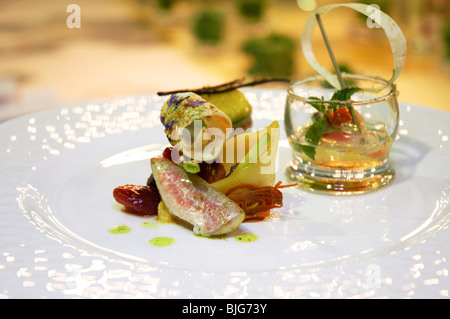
column 330, row 51
column 336, row 67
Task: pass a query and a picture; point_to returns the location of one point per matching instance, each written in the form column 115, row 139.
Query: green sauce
column 246, row 237
column 161, row 241
column 150, row 225
column 212, row 237
column 121, row 229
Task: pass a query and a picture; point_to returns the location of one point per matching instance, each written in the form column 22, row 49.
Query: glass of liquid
column 341, row 138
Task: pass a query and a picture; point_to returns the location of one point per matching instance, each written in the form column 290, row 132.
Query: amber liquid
column 345, row 150
column 344, row 161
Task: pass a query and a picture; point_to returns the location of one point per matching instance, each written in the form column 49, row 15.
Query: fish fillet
column 190, row 198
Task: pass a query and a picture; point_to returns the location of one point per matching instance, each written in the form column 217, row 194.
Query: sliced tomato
column 343, row 115
column 378, row 154
column 338, row 136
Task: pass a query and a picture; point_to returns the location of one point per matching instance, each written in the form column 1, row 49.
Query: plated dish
column 59, row 168
column 214, row 175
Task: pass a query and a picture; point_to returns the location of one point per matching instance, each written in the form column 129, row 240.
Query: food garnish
column 164, row 215
column 138, row 199
column 337, row 119
column 226, row 87
column 257, row 201
column 194, row 126
column 331, row 117
column 254, row 158
column 234, row 104
column 229, row 99
column 393, row 32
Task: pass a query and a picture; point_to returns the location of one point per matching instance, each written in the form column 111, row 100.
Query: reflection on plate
column 61, row 166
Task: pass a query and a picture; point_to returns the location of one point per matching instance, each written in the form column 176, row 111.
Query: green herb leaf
column 315, row 131
column 313, row 136
column 344, row 94
column 310, row 151
column 319, row 105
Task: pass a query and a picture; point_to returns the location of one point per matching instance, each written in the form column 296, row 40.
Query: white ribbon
column 396, row 39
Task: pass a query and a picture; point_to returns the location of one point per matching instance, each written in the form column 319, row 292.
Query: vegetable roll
column 194, row 126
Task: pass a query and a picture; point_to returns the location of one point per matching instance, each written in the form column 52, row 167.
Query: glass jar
column 341, row 140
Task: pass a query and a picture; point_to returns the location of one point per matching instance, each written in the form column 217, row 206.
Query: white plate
column 59, row 169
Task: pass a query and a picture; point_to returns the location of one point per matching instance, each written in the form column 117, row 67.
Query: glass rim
column 386, row 84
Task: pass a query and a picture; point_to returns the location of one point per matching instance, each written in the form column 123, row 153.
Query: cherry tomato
column 343, row 115
column 338, row 136
column 139, row 199
column 171, row 154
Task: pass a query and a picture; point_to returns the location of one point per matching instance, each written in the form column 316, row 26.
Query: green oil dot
column 211, row 237
column 161, row 241
column 121, row 229
column 150, row 225
column 246, row 237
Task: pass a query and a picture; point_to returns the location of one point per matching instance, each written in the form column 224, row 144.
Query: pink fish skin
column 190, row 198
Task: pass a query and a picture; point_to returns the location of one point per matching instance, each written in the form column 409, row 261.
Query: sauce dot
column 246, row 237
column 161, row 241
column 151, row 225
column 121, row 229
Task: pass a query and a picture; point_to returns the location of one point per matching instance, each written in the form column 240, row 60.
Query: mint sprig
column 315, row 131
column 344, row 94
column 313, row 136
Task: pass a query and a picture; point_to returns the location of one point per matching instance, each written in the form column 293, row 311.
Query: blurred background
column 55, row 53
